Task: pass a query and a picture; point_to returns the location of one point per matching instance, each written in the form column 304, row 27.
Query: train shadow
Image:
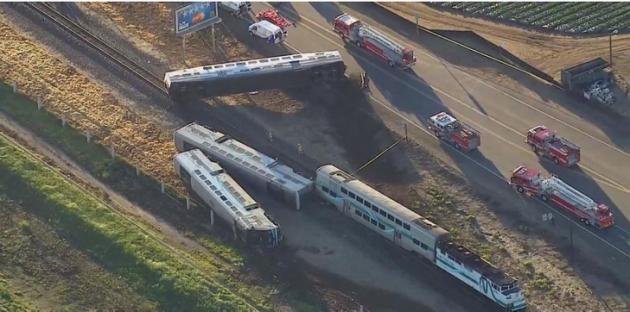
column 545, row 88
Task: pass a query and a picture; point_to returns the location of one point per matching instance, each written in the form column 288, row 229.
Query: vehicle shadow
column 328, row 10
column 287, row 7
column 420, row 108
column 544, row 87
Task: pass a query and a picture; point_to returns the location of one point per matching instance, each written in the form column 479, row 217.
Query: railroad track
column 85, row 36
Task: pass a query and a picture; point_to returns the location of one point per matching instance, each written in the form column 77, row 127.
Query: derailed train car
column 243, row 161
column 287, row 71
column 415, row 233
column 209, row 184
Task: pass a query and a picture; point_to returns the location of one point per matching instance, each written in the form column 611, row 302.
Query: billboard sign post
column 195, row 16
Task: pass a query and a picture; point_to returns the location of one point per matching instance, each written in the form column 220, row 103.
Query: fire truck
column 544, row 142
column 551, row 189
column 449, row 129
column 363, row 36
column 275, row 18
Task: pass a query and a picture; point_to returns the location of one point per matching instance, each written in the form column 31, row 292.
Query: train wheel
column 391, row 64
column 587, row 222
column 457, row 146
column 544, row 197
column 358, row 44
column 520, row 189
column 556, row 161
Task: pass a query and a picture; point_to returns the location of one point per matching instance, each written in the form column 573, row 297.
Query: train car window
column 333, row 194
column 398, row 222
column 367, row 204
column 381, row 226
column 406, row 226
column 325, row 189
column 360, row 200
column 390, row 217
column 374, row 222
column 344, row 191
column 424, row 246
column 197, row 171
column 366, row 217
column 374, row 208
column 223, row 198
column 212, row 187
column 203, row 177
column 417, row 242
column 240, row 63
column 383, row 213
column 358, row 212
column 352, row 195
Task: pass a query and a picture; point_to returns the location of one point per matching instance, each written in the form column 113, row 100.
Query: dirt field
column 532, row 260
column 549, row 53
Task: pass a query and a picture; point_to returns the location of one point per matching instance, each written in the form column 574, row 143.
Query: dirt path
column 549, row 53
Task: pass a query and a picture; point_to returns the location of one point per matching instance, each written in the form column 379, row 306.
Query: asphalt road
column 496, row 110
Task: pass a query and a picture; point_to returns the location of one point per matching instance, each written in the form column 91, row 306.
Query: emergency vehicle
column 363, row 36
column 272, row 16
column 544, row 142
column 449, row 129
column 268, row 31
column 551, row 189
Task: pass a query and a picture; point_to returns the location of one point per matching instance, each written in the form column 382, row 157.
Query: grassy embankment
column 11, row 301
column 225, row 262
column 121, row 246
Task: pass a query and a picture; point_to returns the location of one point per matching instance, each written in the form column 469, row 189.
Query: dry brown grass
column 87, row 106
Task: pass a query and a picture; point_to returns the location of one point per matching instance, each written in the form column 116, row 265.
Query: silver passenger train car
column 259, row 169
column 217, row 190
column 286, row 71
column 415, row 233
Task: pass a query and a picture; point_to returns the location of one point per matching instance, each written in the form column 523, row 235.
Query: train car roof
column 246, row 157
column 267, row 64
column 472, row 260
column 224, row 189
column 382, row 201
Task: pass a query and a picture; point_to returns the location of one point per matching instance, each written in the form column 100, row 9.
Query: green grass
column 119, row 245
column 10, row 301
column 581, row 18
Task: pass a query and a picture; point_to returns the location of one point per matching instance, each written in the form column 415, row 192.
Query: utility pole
column 610, row 46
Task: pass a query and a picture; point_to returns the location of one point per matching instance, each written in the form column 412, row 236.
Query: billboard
column 195, row 16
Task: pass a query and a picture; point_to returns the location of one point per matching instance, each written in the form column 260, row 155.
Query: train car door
column 397, row 237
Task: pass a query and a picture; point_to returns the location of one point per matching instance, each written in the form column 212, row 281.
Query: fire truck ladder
column 382, row 39
column 570, row 194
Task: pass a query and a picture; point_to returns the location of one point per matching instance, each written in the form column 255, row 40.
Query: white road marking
column 413, row 123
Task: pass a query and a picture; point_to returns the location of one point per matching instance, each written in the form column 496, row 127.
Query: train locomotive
column 286, row 71
column 211, row 186
column 415, row 233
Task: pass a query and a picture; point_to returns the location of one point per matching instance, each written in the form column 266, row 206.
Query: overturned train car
column 287, row 71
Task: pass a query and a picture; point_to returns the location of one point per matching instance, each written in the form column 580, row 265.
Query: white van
column 236, row 8
column 268, row 31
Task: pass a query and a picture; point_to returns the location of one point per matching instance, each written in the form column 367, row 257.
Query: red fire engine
column 449, row 129
column 552, row 189
column 545, row 143
column 272, row 16
column 363, row 36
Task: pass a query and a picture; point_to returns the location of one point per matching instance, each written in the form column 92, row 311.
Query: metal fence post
column 14, row 87
column 112, row 151
column 187, row 203
column 162, row 187
column 39, row 103
column 137, row 171
column 300, row 148
column 63, row 120
column 88, row 137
